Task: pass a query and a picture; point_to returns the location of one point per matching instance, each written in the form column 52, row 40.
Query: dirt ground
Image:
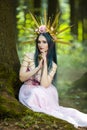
column 13, row 125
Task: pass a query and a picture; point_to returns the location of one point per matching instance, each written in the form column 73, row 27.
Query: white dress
column 41, row 99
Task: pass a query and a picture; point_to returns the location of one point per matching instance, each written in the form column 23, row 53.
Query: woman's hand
column 42, row 60
column 44, row 56
column 40, row 63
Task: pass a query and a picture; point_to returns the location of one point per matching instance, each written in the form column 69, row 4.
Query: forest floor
column 12, row 125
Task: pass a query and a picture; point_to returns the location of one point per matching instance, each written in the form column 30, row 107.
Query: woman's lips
column 41, row 48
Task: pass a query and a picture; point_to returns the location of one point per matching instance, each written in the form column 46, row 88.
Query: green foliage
column 24, row 24
column 80, row 31
column 39, row 121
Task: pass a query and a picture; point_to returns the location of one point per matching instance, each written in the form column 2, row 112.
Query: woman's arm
column 46, row 78
column 23, row 73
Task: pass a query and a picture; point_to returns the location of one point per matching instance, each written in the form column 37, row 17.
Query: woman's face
column 42, row 44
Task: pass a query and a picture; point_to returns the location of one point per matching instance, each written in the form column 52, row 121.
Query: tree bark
column 83, row 18
column 78, row 15
column 74, row 17
column 9, row 61
column 37, row 6
column 53, row 7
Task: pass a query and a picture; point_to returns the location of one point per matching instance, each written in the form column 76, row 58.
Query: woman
column 38, row 72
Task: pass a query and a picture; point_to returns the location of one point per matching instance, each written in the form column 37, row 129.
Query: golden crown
column 44, row 25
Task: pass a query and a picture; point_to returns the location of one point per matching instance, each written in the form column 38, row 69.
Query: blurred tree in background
column 78, row 17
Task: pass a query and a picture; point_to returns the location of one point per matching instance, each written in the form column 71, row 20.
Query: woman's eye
column 44, row 42
column 39, row 42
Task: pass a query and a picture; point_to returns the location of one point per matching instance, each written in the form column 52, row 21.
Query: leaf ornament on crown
column 43, row 26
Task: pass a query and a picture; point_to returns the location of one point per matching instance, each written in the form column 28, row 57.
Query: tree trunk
column 37, row 5
column 9, row 62
column 74, row 17
column 83, row 18
column 53, row 7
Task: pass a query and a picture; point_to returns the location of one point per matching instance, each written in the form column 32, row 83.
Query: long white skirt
column 45, row 100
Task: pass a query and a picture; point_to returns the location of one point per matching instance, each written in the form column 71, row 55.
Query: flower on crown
column 43, row 25
column 42, row 29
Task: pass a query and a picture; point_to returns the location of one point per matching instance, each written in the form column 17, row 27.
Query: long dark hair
column 51, row 55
